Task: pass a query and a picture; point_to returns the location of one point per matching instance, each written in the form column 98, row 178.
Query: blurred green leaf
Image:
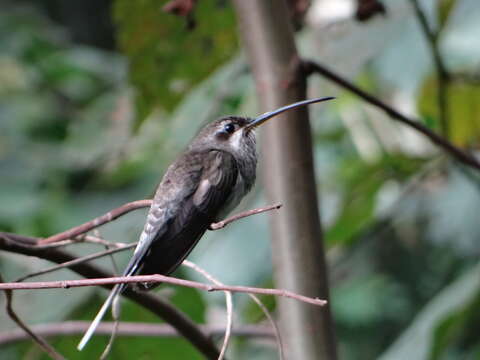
column 455, row 333
column 167, row 60
column 464, row 110
column 360, row 183
column 444, row 10
column 416, row 341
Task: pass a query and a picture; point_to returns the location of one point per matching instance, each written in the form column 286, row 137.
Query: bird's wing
column 193, row 214
column 195, row 185
column 178, row 184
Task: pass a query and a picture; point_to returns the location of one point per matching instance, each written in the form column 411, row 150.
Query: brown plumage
column 201, row 186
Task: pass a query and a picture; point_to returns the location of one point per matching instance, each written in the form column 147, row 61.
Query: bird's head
column 235, row 134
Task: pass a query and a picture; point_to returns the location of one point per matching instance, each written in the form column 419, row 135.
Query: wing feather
column 193, row 213
column 192, row 193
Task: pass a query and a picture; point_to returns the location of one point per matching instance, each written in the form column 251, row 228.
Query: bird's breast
column 236, row 195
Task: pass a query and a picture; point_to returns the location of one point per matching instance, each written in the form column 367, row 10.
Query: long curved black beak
column 263, row 118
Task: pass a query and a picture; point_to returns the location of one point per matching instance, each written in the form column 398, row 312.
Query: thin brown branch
column 92, row 224
column 45, row 346
column 442, row 143
column 25, row 242
column 97, row 240
column 83, row 238
column 230, row 309
column 228, row 300
column 127, row 329
column 134, row 205
column 432, row 37
column 157, row 278
column 223, row 223
column 274, row 324
column 76, row 261
column 123, row 246
column 25, row 245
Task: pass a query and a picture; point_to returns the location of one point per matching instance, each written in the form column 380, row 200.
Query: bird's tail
column 106, row 305
column 117, row 289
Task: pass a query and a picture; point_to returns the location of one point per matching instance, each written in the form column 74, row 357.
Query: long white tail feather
column 132, row 266
column 113, row 294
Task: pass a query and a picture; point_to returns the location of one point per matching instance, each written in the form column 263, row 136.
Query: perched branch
column 96, row 240
column 443, row 77
column 79, row 240
column 27, row 331
column 445, row 145
column 157, row 278
column 77, row 261
column 134, row 205
column 92, row 224
column 122, row 246
column 189, row 330
column 127, row 329
column 223, row 223
column 25, row 245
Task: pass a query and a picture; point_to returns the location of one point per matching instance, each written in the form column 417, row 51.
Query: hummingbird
column 204, row 183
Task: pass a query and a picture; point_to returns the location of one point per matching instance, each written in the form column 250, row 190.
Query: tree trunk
column 287, row 164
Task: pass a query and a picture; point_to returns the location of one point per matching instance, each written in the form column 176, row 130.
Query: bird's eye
column 229, row 128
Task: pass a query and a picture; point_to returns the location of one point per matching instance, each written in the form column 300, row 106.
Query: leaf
column 360, row 184
column 417, row 341
column 166, row 60
column 454, row 333
column 463, row 110
column 444, row 10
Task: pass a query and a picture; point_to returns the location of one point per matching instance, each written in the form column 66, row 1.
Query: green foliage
column 444, row 10
column 361, row 183
column 402, row 280
column 437, row 332
column 166, row 59
column 463, row 109
column 455, row 333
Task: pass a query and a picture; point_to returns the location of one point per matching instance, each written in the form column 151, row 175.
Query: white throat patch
column 236, row 139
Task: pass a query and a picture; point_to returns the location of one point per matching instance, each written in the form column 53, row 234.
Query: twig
column 115, row 307
column 229, row 303
column 83, row 238
column 37, row 339
column 97, row 240
column 123, row 246
column 445, row 145
column 157, row 278
column 223, row 223
column 117, row 212
column 230, row 311
column 126, row 329
column 113, row 335
column 21, row 244
column 92, row 224
column 77, row 261
column 440, row 68
column 109, row 252
column 272, row 321
column 26, row 242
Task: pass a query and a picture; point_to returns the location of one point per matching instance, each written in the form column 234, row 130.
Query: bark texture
column 287, row 164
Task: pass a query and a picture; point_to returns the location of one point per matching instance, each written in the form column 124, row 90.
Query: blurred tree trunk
column 287, row 165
